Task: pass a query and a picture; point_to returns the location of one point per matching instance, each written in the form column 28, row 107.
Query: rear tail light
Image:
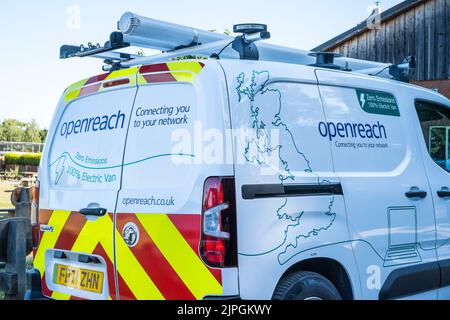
column 218, row 246
column 35, row 227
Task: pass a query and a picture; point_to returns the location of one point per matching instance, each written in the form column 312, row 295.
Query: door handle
column 416, row 193
column 95, row 212
column 444, row 193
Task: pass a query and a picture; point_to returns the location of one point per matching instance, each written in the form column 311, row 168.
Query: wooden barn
column 414, row 27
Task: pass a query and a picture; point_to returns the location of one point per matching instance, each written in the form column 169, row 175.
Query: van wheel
column 305, row 285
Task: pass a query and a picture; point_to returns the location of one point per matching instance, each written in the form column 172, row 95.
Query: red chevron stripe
column 154, row 68
column 189, row 226
column 97, row 78
column 160, row 77
column 155, row 264
column 45, row 290
column 99, row 251
column 89, row 89
column 70, row 231
column 44, row 218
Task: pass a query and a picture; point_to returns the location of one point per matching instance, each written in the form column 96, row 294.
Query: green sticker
column 377, row 102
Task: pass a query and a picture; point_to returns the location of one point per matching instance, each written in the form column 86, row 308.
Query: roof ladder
column 178, row 41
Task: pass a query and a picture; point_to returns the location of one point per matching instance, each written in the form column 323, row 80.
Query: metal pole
column 16, row 258
column 199, row 50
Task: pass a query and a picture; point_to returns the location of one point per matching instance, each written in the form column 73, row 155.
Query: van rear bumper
column 34, row 291
column 222, row 298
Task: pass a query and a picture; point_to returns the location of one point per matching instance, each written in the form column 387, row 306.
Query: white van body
column 321, row 161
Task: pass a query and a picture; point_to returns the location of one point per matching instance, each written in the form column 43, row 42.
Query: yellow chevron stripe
column 133, row 274
column 124, row 73
column 73, row 91
column 183, row 76
column 180, row 255
column 141, row 80
column 49, row 239
column 76, row 85
column 192, row 66
column 184, row 71
column 60, row 296
column 72, row 95
column 93, row 233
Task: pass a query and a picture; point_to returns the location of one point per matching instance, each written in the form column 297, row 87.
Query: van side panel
column 378, row 161
column 290, row 208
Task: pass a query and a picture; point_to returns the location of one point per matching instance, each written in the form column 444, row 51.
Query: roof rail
column 177, row 41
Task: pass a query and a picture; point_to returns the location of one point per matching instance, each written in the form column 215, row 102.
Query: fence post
column 18, row 243
column 16, row 257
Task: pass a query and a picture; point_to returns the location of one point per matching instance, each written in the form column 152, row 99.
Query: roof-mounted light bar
column 249, row 28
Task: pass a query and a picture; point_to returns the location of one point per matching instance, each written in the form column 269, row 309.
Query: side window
column 435, row 123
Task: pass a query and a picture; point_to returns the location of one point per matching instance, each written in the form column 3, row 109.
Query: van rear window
column 87, row 147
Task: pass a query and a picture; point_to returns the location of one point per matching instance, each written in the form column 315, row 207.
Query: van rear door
column 160, row 203
column 80, row 177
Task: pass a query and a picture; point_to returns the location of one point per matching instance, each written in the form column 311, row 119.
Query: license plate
column 77, row 278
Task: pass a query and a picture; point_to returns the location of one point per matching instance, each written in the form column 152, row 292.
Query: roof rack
column 177, row 41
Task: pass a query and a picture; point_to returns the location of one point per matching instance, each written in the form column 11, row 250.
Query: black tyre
column 305, row 285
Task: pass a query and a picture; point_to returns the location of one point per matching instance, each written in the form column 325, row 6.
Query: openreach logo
column 352, row 130
column 93, row 124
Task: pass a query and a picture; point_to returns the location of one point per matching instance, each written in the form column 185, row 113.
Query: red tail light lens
column 219, row 242
column 35, row 227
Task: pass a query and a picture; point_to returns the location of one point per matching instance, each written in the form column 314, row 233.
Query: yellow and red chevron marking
column 180, row 71
column 165, row 263
column 72, row 232
column 99, row 83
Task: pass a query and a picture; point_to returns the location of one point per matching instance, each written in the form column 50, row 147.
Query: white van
column 257, row 180
column 236, row 179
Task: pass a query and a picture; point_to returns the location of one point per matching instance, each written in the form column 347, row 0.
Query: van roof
column 183, row 71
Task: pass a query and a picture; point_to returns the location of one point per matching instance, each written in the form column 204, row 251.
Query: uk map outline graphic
column 258, row 149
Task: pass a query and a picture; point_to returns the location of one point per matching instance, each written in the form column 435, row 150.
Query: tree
column 32, row 132
column 43, row 134
column 12, row 130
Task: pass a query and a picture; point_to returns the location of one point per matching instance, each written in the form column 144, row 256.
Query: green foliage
column 12, row 130
column 189, row 57
column 26, row 159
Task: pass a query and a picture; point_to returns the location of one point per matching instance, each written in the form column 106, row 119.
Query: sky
column 33, row 31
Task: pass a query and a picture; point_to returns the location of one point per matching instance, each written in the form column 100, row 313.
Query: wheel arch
column 329, row 268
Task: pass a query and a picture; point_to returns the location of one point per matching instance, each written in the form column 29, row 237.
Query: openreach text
column 352, row 130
